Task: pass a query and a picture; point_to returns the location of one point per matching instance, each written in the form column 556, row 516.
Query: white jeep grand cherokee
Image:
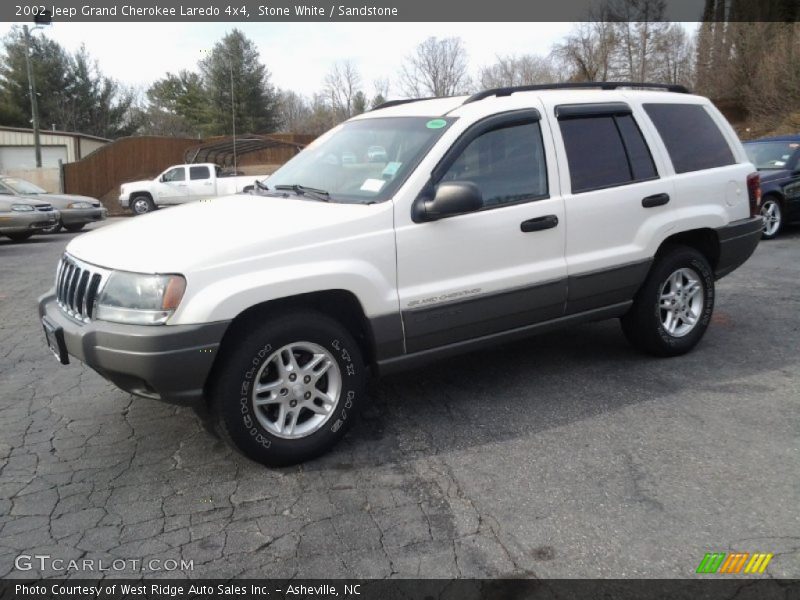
column 415, row 231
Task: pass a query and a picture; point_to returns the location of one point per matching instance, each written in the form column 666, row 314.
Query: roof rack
column 573, row 85
column 391, row 103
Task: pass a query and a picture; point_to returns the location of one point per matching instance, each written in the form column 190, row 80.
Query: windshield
column 361, row 161
column 23, row 187
column 771, row 155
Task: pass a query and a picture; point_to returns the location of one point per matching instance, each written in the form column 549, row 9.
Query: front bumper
column 164, row 362
column 20, row 222
column 125, row 200
column 737, row 242
column 82, row 216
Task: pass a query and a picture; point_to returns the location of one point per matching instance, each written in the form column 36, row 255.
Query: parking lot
column 566, row 455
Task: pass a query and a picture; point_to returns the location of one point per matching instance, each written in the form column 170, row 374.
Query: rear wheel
column 289, row 389
column 20, row 237
column 141, row 205
column 673, row 308
column 74, row 228
column 772, row 213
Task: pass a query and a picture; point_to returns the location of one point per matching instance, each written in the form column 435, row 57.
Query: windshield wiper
column 302, row 190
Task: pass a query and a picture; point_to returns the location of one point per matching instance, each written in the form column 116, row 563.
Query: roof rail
column 391, row 103
column 575, row 85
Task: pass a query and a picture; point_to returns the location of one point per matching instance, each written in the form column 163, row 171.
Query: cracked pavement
column 566, row 455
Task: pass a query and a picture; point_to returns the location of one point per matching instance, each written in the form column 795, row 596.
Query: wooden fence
column 100, row 173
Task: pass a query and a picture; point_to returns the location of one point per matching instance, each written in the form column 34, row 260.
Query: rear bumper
column 81, row 216
column 737, row 242
column 164, row 362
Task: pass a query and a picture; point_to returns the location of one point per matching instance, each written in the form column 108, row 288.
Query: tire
column 649, row 326
column 772, row 212
column 20, row 237
column 264, row 433
column 53, row 228
column 74, row 228
column 141, row 205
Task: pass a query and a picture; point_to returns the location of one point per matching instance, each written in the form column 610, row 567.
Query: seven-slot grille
column 77, row 287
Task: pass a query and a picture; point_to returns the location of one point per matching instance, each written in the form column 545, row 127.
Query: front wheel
column 141, row 205
column 772, row 214
column 289, row 389
column 74, row 228
column 673, row 308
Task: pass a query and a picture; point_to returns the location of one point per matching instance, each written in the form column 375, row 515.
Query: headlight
column 79, row 205
column 22, row 208
column 140, row 299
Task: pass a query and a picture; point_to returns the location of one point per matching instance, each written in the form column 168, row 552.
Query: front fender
column 226, row 297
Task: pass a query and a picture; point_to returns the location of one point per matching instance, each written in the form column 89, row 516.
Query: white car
column 491, row 217
column 180, row 184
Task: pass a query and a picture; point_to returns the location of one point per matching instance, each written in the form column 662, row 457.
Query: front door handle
column 655, row 200
column 539, row 223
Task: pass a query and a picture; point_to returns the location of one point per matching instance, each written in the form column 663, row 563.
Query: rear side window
column 692, row 138
column 605, row 151
column 199, row 173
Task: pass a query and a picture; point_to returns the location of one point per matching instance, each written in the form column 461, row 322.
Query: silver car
column 75, row 211
column 20, row 218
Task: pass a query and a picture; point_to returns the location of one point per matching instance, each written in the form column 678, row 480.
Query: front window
column 20, row 186
column 771, row 155
column 176, row 174
column 362, row 161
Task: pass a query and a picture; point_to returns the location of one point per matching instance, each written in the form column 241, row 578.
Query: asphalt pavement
column 566, row 455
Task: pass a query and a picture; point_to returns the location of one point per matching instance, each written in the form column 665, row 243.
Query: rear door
column 171, row 187
column 617, row 199
column 497, row 268
column 201, row 182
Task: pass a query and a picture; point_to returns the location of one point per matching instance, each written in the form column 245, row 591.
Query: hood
column 60, row 201
column 212, row 233
column 768, row 175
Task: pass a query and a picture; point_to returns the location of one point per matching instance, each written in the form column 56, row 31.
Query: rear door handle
column 539, row 223
column 655, row 200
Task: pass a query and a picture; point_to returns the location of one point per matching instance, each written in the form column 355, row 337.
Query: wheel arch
column 134, row 195
column 341, row 305
column 705, row 240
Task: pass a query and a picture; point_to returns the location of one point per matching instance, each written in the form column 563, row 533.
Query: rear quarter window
column 693, row 140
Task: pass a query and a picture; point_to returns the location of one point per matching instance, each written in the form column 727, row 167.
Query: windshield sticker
column 436, row 124
column 779, row 163
column 390, row 170
column 793, row 145
column 372, row 185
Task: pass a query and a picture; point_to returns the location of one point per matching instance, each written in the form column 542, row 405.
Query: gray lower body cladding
column 168, row 362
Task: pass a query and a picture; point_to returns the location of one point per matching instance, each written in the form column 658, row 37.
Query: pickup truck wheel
column 289, row 389
column 141, row 205
column 673, row 308
column 74, row 228
column 773, row 217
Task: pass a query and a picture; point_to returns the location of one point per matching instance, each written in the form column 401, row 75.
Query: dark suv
column 777, row 159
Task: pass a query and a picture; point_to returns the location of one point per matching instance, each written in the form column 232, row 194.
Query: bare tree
column 587, row 52
column 438, row 67
column 342, row 84
column 527, row 69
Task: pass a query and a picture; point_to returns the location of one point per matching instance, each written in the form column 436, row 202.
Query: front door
column 495, row 269
column 172, row 187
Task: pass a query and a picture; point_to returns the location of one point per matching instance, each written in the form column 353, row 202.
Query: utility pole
column 233, row 114
column 34, row 99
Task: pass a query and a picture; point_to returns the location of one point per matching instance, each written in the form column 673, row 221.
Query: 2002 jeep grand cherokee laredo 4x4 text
column 490, row 217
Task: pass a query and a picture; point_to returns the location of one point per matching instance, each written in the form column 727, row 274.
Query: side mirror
column 162, row 178
column 449, row 199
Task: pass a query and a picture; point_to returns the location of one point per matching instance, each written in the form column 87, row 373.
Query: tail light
column 754, row 193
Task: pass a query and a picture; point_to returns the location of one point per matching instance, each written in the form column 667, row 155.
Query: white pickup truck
column 180, row 184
